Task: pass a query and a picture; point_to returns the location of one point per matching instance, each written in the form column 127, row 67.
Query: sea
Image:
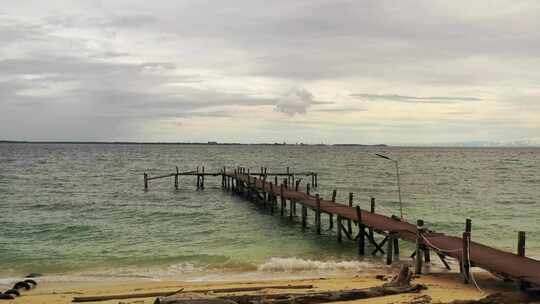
column 80, row 211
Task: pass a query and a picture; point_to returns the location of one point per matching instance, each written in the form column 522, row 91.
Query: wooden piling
column 361, row 232
column 389, row 247
column 291, row 208
column 465, row 262
column 330, row 215
column 419, row 242
column 202, row 179
column 396, row 246
column 282, row 197
column 521, row 244
column 521, row 252
column 145, row 181
column 339, row 227
column 271, row 198
column 468, row 225
column 304, row 216
column 318, row 214
column 372, row 210
column 264, row 193
column 349, row 222
column 427, row 255
column 224, row 178
column 308, row 188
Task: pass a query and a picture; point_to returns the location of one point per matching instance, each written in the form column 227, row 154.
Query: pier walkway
column 257, row 187
column 469, row 253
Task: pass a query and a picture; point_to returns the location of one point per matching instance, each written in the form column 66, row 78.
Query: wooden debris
column 169, row 293
column 400, row 284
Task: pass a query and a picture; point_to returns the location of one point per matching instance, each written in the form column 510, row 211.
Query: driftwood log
column 170, row 293
column 400, row 284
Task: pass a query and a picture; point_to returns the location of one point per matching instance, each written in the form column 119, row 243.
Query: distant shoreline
column 181, row 143
column 472, row 146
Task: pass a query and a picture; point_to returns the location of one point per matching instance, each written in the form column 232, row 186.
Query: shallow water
column 80, row 208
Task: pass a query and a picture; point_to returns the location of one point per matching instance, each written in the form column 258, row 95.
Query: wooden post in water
column 419, row 242
column 198, row 179
column 304, row 216
column 330, row 215
column 468, row 225
column 176, row 179
column 291, row 209
column 282, row 197
column 316, row 180
column 318, row 213
column 271, row 198
column 361, row 232
column 249, row 192
column 223, row 178
column 339, row 227
column 349, row 222
column 145, row 181
column 233, row 179
column 275, row 180
column 521, row 244
column 293, row 202
column 308, row 188
column 521, row 252
column 466, row 263
column 389, row 247
column 372, row 209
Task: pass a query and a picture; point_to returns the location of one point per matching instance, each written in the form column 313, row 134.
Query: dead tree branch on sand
column 400, row 284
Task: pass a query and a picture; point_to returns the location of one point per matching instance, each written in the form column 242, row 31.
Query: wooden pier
column 276, row 195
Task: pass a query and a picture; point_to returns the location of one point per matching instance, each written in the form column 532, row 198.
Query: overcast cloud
column 338, row 71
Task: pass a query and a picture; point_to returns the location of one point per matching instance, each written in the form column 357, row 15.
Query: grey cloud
column 294, row 102
column 14, row 30
column 415, row 99
column 127, row 59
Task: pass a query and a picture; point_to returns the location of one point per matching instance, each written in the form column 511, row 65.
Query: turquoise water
column 70, row 209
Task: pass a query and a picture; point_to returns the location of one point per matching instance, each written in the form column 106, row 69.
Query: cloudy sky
column 263, row 71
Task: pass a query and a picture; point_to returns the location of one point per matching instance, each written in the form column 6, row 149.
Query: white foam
column 297, row 264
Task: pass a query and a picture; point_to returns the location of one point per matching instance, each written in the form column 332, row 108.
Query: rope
column 440, row 249
column 469, row 262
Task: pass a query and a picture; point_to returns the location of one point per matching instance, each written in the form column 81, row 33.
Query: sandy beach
column 441, row 287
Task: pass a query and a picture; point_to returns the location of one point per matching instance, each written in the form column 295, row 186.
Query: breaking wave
column 297, row 264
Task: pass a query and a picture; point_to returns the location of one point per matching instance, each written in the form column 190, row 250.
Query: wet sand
column 443, row 287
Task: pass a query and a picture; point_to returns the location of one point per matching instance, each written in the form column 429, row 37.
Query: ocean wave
column 294, row 264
